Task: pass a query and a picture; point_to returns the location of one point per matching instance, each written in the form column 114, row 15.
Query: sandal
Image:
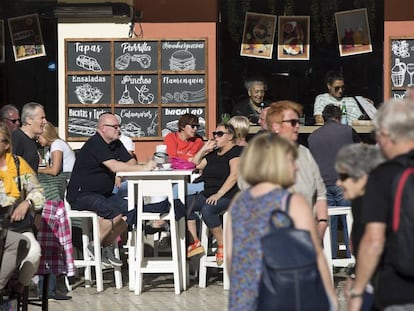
column 219, row 255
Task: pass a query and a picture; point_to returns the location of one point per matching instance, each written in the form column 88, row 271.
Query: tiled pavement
column 158, row 295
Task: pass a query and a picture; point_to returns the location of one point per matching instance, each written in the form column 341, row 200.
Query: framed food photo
column 2, row 49
column 353, row 32
column 258, row 35
column 26, row 37
column 293, row 38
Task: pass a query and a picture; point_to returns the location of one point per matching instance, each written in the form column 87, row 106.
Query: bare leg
column 192, row 229
column 108, row 233
column 218, row 234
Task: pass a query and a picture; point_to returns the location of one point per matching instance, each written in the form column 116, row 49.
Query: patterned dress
column 250, row 222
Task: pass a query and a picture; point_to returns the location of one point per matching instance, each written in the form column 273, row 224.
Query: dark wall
column 300, row 81
column 29, row 80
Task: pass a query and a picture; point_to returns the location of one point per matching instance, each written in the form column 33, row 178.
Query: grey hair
column 249, row 83
column 4, row 111
column 358, row 160
column 396, row 118
column 28, row 111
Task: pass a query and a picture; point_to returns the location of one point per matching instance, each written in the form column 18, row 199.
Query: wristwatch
column 353, row 294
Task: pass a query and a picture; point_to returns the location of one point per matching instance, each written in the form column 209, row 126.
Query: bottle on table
column 344, row 116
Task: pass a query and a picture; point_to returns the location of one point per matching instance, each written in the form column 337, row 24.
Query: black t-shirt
column 25, row 147
column 357, row 225
column 391, row 288
column 217, row 170
column 89, row 173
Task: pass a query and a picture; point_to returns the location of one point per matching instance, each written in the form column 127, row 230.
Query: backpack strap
column 17, row 163
column 286, row 202
column 398, row 197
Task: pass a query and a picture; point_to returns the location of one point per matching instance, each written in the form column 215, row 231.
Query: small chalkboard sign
column 136, row 89
column 398, row 94
column 89, row 89
column 402, row 62
column 183, row 55
column 82, row 121
column 184, row 89
column 170, row 116
column 93, row 56
column 138, row 122
column 136, row 55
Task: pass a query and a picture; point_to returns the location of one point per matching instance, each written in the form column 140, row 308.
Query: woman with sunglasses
column 283, row 119
column 354, row 163
column 220, row 168
column 185, row 143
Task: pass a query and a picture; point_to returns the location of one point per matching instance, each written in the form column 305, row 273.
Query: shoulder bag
column 290, row 277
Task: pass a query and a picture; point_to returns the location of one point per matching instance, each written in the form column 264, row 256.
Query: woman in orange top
column 185, row 143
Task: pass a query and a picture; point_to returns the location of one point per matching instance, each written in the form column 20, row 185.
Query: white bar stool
column 87, row 218
column 338, row 262
column 138, row 264
column 208, row 261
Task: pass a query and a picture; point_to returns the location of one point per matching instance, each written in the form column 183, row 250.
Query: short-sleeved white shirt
column 68, row 154
column 352, row 108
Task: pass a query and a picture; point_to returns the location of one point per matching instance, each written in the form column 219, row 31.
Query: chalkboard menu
column 149, row 84
column 402, row 65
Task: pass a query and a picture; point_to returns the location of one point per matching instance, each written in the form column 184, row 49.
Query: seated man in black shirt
column 93, row 178
column 253, row 105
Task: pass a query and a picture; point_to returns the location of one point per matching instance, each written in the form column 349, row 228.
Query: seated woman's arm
column 34, row 198
column 230, row 181
column 57, row 163
column 208, row 147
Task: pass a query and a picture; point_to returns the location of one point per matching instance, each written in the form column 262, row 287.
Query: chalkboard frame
column 402, row 48
column 120, row 67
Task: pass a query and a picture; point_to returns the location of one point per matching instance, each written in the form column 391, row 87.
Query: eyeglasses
column 343, row 176
column 115, row 126
column 193, row 126
column 14, row 121
column 340, row 87
column 292, row 122
column 219, row 133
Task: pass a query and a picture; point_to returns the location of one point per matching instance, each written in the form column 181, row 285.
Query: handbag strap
column 17, row 162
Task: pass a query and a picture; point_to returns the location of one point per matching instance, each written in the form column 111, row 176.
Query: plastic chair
column 338, row 262
column 89, row 218
column 138, row 264
column 209, row 261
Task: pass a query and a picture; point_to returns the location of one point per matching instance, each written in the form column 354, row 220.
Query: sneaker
column 108, row 253
column 105, row 262
column 57, row 296
column 195, row 249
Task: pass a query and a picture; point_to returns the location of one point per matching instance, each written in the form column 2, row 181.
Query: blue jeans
column 211, row 213
column 335, row 197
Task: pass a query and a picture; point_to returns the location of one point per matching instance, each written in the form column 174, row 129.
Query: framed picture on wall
column 293, row 38
column 353, row 32
column 2, row 50
column 26, row 37
column 258, row 35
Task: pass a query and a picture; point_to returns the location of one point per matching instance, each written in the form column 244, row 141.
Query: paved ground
column 158, row 295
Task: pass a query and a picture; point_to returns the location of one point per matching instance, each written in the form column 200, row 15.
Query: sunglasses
column 343, row 176
column 219, row 133
column 115, row 126
column 292, row 122
column 337, row 88
column 14, row 121
column 193, row 126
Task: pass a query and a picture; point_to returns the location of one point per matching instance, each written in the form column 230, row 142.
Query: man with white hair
column 393, row 290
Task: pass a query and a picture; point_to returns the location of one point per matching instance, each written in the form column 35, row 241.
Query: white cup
column 166, row 166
